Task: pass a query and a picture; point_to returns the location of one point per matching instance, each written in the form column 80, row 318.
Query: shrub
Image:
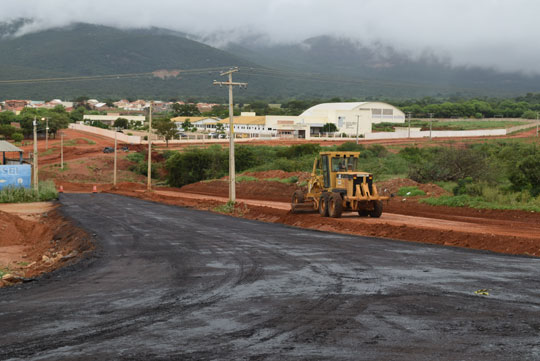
column 448, row 164
column 350, row 147
column 295, row 151
column 17, row 137
column 527, row 175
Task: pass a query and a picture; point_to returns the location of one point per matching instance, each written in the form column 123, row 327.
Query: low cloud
column 495, row 33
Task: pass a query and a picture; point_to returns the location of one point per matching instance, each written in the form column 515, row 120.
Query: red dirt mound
column 30, row 248
column 261, row 190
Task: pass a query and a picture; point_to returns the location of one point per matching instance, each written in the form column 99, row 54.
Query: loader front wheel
column 297, row 198
column 323, row 205
column 377, row 209
column 335, row 205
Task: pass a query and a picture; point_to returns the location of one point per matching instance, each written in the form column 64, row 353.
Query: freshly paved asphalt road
column 175, row 283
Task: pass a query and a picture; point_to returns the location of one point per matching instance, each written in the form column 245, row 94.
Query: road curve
column 177, row 283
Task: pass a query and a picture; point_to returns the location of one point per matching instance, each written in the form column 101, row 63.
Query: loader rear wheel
column 335, row 205
column 323, row 205
column 297, row 198
column 377, row 209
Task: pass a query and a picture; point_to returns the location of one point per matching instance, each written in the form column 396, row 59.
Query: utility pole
column 115, row 143
column 36, row 179
column 62, row 150
column 409, row 132
column 537, row 124
column 357, row 122
column 46, row 133
column 232, row 172
column 149, row 177
column 430, row 124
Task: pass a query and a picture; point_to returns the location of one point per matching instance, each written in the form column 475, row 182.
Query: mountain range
column 319, row 67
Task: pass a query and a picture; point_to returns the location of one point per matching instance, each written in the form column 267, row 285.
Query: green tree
column 185, row 110
column 187, row 126
column 527, row 175
column 329, row 128
column 220, row 129
column 121, row 123
column 166, row 129
column 7, row 117
column 529, row 114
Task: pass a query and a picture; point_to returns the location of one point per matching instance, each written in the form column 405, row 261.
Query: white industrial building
column 349, row 118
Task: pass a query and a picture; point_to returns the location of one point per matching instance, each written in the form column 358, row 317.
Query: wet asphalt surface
column 175, row 283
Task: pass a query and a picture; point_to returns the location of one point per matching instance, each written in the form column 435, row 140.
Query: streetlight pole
column 149, row 176
column 537, row 124
column 36, row 179
column 409, row 130
column 430, row 124
column 46, row 133
column 62, row 150
column 232, row 171
column 357, row 122
column 115, row 151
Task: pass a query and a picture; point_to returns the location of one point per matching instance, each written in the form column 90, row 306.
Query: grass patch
column 227, row 208
column 47, row 152
column 89, row 141
column 410, row 192
column 445, row 125
column 290, row 180
column 246, row 178
column 464, row 200
column 47, row 192
column 4, row 271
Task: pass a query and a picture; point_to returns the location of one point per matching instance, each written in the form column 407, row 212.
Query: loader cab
column 332, row 164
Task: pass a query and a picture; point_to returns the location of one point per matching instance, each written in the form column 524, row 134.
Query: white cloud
column 499, row 33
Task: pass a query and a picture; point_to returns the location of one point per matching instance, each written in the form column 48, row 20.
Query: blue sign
column 15, row 175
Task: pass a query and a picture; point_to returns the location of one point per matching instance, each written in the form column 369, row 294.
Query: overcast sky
column 499, row 33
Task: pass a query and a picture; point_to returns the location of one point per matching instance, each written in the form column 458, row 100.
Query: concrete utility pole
column 430, row 124
column 149, row 177
column 537, row 124
column 357, row 122
column 115, row 143
column 62, row 150
column 36, row 179
column 46, row 133
column 409, row 132
column 232, row 172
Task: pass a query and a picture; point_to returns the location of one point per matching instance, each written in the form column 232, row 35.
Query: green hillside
column 321, row 67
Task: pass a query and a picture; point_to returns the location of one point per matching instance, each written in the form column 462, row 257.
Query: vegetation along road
column 175, row 283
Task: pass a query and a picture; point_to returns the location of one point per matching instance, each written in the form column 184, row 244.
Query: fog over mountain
column 499, row 34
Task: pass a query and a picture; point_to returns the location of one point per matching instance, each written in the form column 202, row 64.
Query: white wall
column 121, row 137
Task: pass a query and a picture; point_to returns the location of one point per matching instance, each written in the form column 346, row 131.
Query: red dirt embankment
column 34, row 243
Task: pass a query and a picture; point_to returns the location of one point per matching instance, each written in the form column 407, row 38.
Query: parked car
column 108, row 150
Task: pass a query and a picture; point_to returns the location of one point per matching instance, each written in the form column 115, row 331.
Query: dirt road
column 176, row 283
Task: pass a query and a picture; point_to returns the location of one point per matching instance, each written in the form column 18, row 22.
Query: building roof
column 8, row 147
column 191, row 119
column 247, row 120
column 331, row 107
